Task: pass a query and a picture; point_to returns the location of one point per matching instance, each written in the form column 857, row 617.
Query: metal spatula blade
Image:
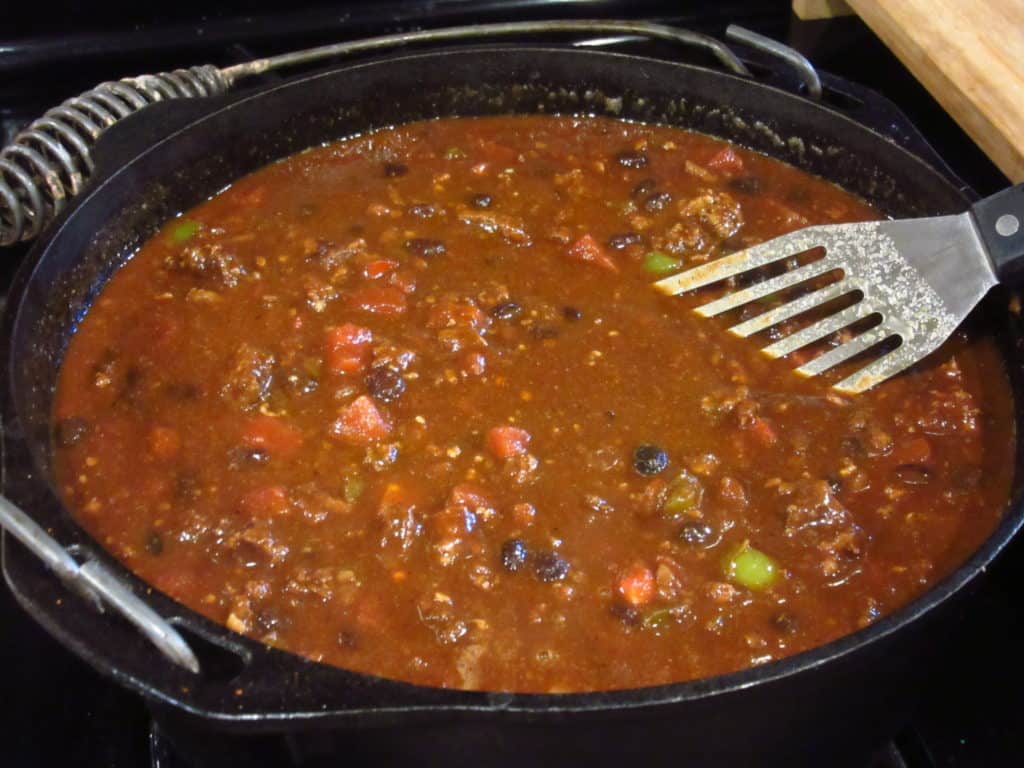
column 919, row 277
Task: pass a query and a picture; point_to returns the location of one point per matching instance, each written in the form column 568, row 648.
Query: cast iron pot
column 830, row 706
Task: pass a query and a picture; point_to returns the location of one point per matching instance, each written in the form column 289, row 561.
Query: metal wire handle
column 49, row 161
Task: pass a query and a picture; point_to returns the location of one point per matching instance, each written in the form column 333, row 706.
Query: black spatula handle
column 1000, row 220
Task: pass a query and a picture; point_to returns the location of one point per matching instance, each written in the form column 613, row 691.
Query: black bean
column 70, row 431
column 913, row 474
column 514, row 555
column 425, row 247
column 154, row 543
column 481, row 201
column 571, row 313
column 785, row 623
column 644, row 188
column 696, row 533
column 835, row 484
column 548, row 566
column 422, row 210
column 631, row 159
column 627, row 614
column 749, row 184
column 385, row 384
column 391, row 170
column 657, row 202
column 506, row 310
column 649, row 460
column 242, row 457
column 543, row 332
column 624, row 240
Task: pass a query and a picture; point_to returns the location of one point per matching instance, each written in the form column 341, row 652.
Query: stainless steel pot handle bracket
column 97, row 584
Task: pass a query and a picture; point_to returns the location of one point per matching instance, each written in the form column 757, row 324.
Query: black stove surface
column 60, row 711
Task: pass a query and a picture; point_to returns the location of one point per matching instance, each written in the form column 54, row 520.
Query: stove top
column 63, row 711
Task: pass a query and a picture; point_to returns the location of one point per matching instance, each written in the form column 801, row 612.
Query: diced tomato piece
column 588, row 251
column 360, row 423
column 505, row 442
column 726, row 161
column 636, row 585
column 348, row 348
column 263, row 502
column 763, row 431
column 379, row 268
column 164, row 442
column 273, row 434
column 379, row 300
column 915, row 451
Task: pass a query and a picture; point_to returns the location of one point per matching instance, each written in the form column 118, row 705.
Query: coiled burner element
column 49, row 161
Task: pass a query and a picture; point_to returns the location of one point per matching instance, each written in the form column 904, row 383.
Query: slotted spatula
column 922, row 276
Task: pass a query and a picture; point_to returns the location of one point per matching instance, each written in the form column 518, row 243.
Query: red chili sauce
column 407, row 404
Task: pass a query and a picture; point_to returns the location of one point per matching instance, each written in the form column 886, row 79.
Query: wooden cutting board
column 970, row 55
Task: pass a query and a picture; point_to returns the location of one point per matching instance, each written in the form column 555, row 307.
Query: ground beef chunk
column 816, row 517
column 330, row 256
column 209, row 264
column 459, row 322
column 950, row 409
column 510, row 228
column 256, row 543
column 682, row 238
column 250, row 377
column 718, row 212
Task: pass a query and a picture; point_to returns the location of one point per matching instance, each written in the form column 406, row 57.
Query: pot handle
column 49, row 162
column 98, row 585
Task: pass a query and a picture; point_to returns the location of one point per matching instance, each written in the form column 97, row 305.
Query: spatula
column 920, row 276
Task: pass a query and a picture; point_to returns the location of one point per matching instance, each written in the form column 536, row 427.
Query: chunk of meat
column 949, row 408
column 257, row 542
column 331, row 256
column 379, row 300
column 209, row 264
column 817, row 518
column 682, row 238
column 587, row 250
column 250, row 377
column 510, row 228
column 505, row 442
column 459, row 322
column 360, row 423
column 718, row 212
column 348, row 348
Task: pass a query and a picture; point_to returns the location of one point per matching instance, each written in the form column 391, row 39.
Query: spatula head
column 919, row 276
